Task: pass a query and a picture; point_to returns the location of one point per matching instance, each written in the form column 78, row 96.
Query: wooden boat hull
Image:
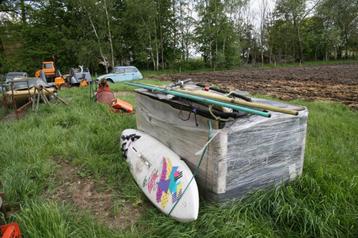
column 23, row 95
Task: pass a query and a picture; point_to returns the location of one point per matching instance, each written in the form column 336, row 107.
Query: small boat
column 23, row 94
column 162, row 176
column 21, row 89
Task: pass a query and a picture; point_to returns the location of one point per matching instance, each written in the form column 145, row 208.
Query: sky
column 255, row 4
column 255, row 9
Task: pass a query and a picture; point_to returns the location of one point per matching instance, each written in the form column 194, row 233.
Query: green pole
column 201, row 99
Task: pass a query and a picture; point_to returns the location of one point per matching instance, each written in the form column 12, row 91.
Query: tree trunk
column 151, row 49
column 346, row 44
column 338, row 53
column 211, row 57
column 162, row 50
column 299, row 43
column 224, row 50
column 156, row 49
column 183, row 45
column 161, row 45
column 270, row 56
column 174, row 32
column 98, row 42
column 23, row 12
column 262, row 28
column 109, row 32
column 216, row 52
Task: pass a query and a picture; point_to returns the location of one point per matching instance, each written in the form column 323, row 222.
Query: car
column 21, row 81
column 77, row 75
column 12, row 75
column 122, row 73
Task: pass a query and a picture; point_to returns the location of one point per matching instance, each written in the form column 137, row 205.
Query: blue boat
column 122, row 73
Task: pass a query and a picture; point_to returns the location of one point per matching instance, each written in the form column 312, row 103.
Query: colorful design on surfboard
column 152, row 180
column 169, row 186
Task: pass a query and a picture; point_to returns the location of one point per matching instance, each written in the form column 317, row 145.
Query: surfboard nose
column 127, row 136
column 126, row 133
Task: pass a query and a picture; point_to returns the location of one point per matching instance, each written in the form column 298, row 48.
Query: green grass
column 321, row 203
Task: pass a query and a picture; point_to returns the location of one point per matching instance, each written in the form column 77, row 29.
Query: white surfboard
column 162, row 175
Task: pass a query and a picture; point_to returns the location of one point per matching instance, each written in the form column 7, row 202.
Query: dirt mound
column 330, row 82
column 93, row 196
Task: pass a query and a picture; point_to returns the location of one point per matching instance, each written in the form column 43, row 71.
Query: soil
column 13, row 117
column 92, row 196
column 7, row 209
column 328, row 82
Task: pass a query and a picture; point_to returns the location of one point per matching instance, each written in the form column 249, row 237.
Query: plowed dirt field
column 329, row 82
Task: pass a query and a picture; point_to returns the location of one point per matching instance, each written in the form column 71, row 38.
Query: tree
column 15, row 9
column 263, row 27
column 294, row 12
column 314, row 39
column 185, row 21
column 162, row 33
column 342, row 17
column 105, row 6
column 216, row 36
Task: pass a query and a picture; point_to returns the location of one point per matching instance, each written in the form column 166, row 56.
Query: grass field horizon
column 323, row 202
column 152, row 73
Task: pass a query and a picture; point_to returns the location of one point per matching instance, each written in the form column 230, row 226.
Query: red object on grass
column 122, row 105
column 11, row 230
column 104, row 95
column 103, row 88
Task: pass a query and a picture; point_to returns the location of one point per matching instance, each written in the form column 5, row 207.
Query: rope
column 216, row 117
column 196, row 169
column 183, row 119
column 189, row 115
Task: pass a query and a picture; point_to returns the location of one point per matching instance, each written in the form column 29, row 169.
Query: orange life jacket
column 122, row 105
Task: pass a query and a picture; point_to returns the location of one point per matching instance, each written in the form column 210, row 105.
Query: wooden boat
column 25, row 93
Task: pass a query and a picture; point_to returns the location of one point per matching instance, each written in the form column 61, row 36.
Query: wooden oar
column 205, row 100
column 241, row 102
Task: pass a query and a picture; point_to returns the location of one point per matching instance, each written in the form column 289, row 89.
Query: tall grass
column 45, row 220
column 322, row 203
